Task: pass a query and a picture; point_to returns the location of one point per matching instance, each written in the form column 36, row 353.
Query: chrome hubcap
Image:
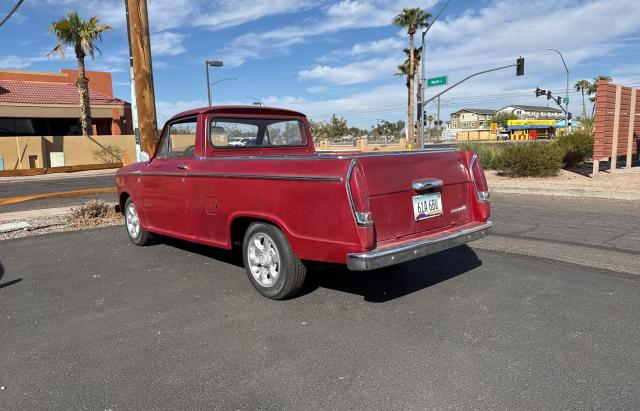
column 132, row 220
column 264, row 259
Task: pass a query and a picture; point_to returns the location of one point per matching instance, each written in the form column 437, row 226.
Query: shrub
column 108, row 154
column 489, row 154
column 92, row 213
column 576, row 147
column 531, row 160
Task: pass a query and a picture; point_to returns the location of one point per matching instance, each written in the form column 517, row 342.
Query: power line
column 13, row 10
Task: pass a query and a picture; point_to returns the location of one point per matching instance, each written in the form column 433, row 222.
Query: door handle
column 183, row 167
column 426, row 184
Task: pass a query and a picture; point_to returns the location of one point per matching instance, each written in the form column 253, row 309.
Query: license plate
column 427, row 205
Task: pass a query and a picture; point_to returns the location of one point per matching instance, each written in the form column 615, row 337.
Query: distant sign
column 437, row 81
column 565, row 100
column 531, row 122
column 56, row 159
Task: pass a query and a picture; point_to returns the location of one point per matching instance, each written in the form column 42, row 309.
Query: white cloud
column 19, row 62
column 167, row 109
column 347, row 14
column 315, row 89
column 353, row 73
column 378, row 46
column 167, row 43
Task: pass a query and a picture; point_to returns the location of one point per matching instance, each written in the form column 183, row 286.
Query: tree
column 502, row 118
column 337, row 127
column 403, row 69
column 412, row 19
column 593, row 89
column 583, row 86
column 82, row 36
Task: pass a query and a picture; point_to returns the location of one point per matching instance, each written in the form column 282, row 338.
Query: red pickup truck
column 250, row 177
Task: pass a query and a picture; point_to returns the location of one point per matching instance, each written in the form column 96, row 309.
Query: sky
column 325, row 57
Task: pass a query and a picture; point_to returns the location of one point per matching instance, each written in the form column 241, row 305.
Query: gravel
column 55, row 224
column 576, row 179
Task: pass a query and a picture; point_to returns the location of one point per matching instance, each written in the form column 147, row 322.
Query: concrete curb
column 61, row 194
column 44, row 212
column 569, row 192
column 586, row 256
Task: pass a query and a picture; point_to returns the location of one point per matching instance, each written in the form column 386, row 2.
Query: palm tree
column 583, row 86
column 593, row 88
column 82, row 35
column 403, row 69
column 412, row 19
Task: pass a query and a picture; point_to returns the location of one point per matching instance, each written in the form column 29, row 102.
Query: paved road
column 88, row 320
column 51, row 185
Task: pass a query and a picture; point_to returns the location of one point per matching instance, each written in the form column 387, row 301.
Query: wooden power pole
column 143, row 74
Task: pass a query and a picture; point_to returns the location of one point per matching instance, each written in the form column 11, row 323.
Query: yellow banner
column 531, row 122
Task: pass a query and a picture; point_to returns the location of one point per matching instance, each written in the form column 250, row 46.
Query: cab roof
column 239, row 110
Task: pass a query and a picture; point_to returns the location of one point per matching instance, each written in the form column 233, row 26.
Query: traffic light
column 540, row 92
column 419, row 110
column 549, row 96
column 520, row 66
column 559, row 100
column 569, row 116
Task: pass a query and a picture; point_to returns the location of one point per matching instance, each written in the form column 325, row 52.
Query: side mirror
column 144, row 156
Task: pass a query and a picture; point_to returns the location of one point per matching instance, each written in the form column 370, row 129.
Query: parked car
column 285, row 205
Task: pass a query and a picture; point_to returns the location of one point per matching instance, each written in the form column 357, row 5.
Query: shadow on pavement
column 8, row 283
column 389, row 283
column 226, row 256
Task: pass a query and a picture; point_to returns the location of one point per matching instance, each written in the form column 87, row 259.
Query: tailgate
column 389, row 181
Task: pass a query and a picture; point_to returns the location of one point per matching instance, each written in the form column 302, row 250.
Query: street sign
column 437, row 81
column 565, row 100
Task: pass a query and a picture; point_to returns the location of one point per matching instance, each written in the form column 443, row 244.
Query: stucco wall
column 78, row 150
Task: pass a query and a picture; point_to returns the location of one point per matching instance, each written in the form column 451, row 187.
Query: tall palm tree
column 413, row 20
column 82, row 36
column 593, row 88
column 583, row 86
column 403, row 69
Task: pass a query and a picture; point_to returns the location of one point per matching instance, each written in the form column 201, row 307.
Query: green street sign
column 437, row 81
column 565, row 100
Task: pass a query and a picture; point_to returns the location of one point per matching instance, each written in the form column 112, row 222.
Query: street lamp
column 423, row 83
column 212, row 63
column 256, row 101
column 224, row 79
column 566, row 111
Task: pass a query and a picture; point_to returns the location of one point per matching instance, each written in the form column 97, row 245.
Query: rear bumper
column 409, row 251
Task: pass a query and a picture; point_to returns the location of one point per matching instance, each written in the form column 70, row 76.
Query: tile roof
column 36, row 92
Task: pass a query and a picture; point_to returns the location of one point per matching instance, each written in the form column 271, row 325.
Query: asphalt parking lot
column 90, row 321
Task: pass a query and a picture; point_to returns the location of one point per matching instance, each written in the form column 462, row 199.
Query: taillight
column 478, row 178
column 359, row 195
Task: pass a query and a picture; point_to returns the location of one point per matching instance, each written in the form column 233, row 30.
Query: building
column 46, row 104
column 471, row 118
column 533, row 112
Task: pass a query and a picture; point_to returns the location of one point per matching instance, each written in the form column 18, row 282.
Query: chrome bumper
column 409, row 251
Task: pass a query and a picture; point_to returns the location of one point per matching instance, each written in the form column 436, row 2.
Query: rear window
column 256, row 132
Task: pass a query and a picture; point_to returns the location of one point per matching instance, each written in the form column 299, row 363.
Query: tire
column 137, row 234
column 272, row 267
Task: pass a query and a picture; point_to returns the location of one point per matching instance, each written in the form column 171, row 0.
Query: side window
column 285, row 133
column 179, row 141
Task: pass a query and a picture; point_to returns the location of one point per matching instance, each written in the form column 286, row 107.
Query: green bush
column 534, row 159
column 489, row 154
column 577, row 147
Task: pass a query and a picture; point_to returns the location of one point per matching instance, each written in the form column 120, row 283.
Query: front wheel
column 137, row 234
column 272, row 267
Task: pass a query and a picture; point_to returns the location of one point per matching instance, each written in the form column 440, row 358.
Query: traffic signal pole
column 474, row 75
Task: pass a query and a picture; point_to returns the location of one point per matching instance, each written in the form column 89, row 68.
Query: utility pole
column 134, row 107
column 143, row 74
column 438, row 113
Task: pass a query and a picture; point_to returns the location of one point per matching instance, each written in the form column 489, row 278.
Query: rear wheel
column 137, row 234
column 272, row 267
